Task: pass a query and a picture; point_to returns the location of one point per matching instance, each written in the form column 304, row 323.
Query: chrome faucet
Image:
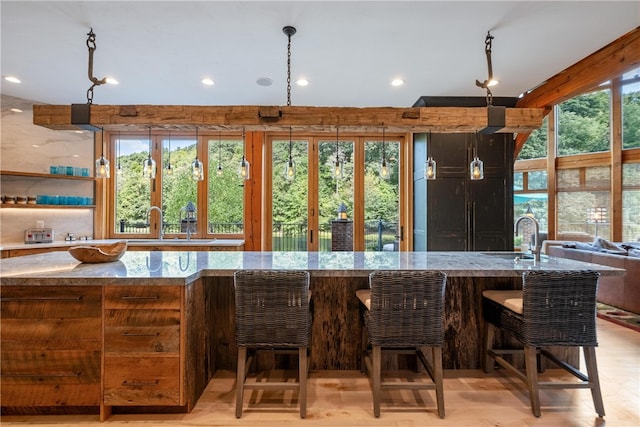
column 160, row 233
column 536, row 234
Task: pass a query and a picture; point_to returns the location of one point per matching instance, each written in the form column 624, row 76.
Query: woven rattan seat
column 403, row 310
column 272, row 313
column 558, row 309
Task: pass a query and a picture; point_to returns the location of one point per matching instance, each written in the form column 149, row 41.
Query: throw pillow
column 601, row 243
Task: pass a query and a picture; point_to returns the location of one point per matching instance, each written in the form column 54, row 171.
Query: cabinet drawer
column 50, row 367
column 134, row 331
column 38, row 302
column 142, row 381
column 28, row 395
column 144, row 297
column 38, row 331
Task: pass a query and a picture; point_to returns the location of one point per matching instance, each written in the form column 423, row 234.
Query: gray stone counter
column 171, row 267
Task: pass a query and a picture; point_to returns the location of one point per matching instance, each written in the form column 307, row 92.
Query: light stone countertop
column 183, row 267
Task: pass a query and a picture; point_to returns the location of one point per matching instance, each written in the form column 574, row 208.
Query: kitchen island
column 165, row 312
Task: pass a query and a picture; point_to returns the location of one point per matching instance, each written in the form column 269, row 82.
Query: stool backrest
column 559, row 307
column 272, row 308
column 407, row 308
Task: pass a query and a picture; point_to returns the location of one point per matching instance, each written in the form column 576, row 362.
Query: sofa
column 618, row 291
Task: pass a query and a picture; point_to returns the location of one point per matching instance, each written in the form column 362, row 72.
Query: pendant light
column 197, row 170
column 384, row 166
column 149, row 165
column 168, row 168
column 476, row 168
column 430, row 166
column 290, row 166
column 219, row 168
column 338, row 166
column 244, row 169
column 119, row 165
column 102, row 164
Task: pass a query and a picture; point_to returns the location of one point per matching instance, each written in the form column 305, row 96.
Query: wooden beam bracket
column 269, row 114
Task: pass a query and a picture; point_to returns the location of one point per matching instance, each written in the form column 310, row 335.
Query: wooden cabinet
column 50, row 340
column 142, row 351
column 464, row 214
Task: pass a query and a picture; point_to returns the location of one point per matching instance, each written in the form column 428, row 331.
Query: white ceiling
column 348, row 50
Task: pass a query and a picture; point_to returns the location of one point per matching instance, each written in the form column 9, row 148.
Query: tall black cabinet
column 463, row 214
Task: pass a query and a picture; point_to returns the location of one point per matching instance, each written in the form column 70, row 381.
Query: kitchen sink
column 171, row 241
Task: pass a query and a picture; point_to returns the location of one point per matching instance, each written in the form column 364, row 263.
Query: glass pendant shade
column 244, row 169
column 430, row 168
column 197, row 170
column 119, row 169
column 102, row 168
column 219, row 169
column 476, row 169
column 338, row 169
column 169, row 169
column 384, row 169
column 290, row 170
column 149, row 168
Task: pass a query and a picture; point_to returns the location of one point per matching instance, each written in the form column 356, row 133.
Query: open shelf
column 46, row 175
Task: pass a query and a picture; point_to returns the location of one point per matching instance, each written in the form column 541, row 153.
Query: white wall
column 18, row 136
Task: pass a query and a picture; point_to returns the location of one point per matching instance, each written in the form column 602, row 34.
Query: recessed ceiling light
column 264, row 81
column 112, row 81
column 12, row 79
column 76, row 155
column 207, row 81
column 35, row 145
column 302, row 82
column 397, row 82
column 493, row 83
column 16, row 110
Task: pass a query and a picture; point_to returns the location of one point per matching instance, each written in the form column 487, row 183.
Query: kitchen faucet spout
column 152, row 208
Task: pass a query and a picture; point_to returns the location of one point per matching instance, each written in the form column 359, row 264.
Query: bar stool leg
column 531, row 366
column 436, row 355
column 240, row 378
column 302, row 372
column 377, row 378
column 592, row 372
column 489, row 333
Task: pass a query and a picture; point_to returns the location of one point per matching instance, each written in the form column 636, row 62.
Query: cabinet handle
column 151, row 383
column 129, row 334
column 60, row 375
column 127, row 297
column 70, row 298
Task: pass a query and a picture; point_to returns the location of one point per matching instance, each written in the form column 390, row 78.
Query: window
column 631, row 109
column 132, row 190
column 530, row 198
column 535, row 146
column 178, row 189
column 631, row 202
column 583, row 124
column 584, row 200
column 225, row 201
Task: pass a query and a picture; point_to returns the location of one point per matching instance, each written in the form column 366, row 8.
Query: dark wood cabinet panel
column 463, row 214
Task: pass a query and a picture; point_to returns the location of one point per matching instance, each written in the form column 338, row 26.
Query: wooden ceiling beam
column 616, row 58
column 280, row 118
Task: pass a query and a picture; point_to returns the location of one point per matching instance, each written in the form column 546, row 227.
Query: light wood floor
column 341, row 399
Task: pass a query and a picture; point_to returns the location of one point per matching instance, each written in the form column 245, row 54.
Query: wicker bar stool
column 554, row 308
column 272, row 313
column 404, row 314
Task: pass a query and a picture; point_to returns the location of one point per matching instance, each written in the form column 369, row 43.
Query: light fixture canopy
column 102, row 164
column 149, row 164
column 197, row 169
column 244, row 169
column 476, row 167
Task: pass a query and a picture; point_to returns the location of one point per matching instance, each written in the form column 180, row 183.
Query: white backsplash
column 57, row 148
